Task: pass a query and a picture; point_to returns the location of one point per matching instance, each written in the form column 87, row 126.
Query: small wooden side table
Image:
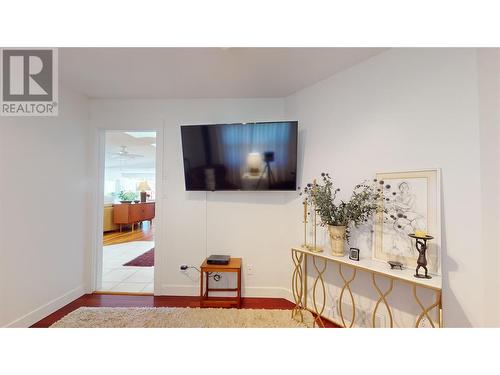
column 205, row 300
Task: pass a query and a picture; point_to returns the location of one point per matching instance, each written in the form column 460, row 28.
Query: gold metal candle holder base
column 313, row 249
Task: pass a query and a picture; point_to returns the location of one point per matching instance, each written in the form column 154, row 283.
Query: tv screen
column 248, row 156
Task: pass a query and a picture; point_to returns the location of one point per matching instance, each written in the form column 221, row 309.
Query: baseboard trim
column 41, row 312
column 111, row 293
column 273, row 292
column 251, row 291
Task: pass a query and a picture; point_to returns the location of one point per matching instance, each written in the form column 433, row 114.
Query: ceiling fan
column 123, row 154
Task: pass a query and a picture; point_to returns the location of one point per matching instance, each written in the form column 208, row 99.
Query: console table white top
column 378, row 267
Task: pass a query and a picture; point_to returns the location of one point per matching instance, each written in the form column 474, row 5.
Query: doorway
column 129, row 212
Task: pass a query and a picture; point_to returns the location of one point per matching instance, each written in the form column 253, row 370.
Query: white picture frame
column 411, row 201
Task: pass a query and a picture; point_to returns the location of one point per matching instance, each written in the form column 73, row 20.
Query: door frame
column 97, row 197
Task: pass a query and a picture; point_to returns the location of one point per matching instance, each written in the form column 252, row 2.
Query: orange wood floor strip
column 143, row 233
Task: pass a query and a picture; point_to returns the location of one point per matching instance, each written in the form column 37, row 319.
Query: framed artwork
column 411, row 202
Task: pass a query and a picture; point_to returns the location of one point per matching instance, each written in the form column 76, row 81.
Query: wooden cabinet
column 132, row 213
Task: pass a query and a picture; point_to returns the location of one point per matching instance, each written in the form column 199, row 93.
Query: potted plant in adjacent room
column 338, row 214
column 127, row 196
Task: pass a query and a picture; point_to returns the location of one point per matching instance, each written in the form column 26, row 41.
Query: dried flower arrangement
column 363, row 203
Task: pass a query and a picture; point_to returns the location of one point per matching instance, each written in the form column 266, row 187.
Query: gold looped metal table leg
column 319, row 278
column 347, row 286
column 382, row 298
column 297, row 284
column 425, row 311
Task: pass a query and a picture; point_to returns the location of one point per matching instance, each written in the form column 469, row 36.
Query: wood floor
column 108, row 300
column 141, row 233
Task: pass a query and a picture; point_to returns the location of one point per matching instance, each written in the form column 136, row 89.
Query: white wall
column 43, row 221
column 489, row 130
column 407, row 109
column 197, row 224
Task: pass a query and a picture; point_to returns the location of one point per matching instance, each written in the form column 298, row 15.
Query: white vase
column 337, row 238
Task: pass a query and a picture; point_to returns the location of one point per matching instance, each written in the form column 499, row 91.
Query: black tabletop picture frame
column 354, row 253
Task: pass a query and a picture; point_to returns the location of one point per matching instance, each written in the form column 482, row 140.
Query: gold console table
column 377, row 269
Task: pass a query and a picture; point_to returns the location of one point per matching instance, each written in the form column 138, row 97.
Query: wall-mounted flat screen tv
column 247, row 156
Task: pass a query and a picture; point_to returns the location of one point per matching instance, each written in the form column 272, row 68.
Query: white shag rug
column 177, row 317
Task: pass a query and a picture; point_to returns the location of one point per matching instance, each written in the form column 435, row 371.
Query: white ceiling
column 182, row 73
column 139, row 146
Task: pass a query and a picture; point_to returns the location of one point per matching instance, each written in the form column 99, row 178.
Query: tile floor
column 119, row 278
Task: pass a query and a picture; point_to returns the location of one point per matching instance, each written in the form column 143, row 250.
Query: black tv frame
column 296, row 122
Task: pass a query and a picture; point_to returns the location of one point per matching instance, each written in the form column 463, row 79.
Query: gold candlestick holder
column 314, row 218
column 305, row 245
column 315, row 248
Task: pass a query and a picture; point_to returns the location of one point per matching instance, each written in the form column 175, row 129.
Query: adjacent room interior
column 129, row 212
column 293, row 187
